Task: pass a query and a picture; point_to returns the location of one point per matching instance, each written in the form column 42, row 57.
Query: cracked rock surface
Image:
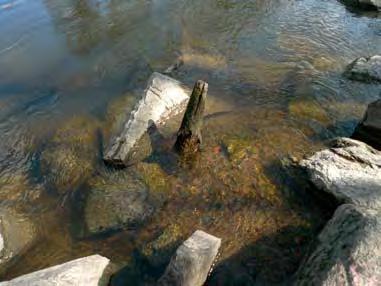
column 350, row 170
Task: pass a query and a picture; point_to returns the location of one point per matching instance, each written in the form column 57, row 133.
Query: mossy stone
column 69, row 158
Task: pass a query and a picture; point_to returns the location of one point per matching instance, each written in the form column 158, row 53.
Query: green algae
column 116, row 201
column 70, row 156
column 309, row 110
column 161, row 248
column 16, row 187
column 239, row 149
column 158, row 182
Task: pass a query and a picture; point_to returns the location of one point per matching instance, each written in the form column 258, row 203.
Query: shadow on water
column 273, row 259
column 161, row 153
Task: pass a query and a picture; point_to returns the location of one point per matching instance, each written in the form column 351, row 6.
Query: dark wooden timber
column 189, row 135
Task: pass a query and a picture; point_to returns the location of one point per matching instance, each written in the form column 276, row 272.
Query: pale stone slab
column 350, row 171
column 87, row 271
column 163, row 98
column 192, row 261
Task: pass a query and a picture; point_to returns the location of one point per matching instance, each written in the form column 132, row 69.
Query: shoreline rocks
column 348, row 249
column 369, row 129
column 365, row 69
column 192, row 261
column 87, row 271
column 164, row 97
column 349, row 170
column 364, row 4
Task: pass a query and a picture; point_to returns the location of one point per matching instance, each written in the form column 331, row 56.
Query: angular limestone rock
column 87, row 271
column 192, row 262
column 348, row 251
column 365, row 69
column 163, row 98
column 369, row 130
column 350, row 171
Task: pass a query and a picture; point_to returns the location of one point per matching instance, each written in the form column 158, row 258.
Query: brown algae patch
column 70, row 156
column 204, row 60
column 271, row 74
column 16, row 188
column 229, row 193
column 158, row 250
column 158, row 182
column 309, row 110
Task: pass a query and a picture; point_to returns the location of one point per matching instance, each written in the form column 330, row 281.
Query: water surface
column 70, row 71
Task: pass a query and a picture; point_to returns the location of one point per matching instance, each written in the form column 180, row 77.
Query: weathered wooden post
column 189, row 137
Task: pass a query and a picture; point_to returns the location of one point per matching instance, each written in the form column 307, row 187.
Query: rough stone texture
column 163, row 98
column 350, row 171
column 365, row 69
column 369, row 130
column 348, row 251
column 87, row 271
column 365, row 4
column 192, row 262
column 17, row 234
column 116, row 202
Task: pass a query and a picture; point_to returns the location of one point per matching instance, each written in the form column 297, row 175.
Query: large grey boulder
column 192, row 262
column 369, row 130
column 164, row 97
column 367, row 4
column 17, row 234
column 87, row 271
column 365, row 69
column 350, row 171
column 348, row 251
column 116, row 202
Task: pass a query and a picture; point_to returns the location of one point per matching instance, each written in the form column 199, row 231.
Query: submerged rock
column 115, row 202
column 350, row 171
column 159, row 250
column 348, row 250
column 369, row 130
column 69, row 158
column 365, row 69
column 192, row 262
column 309, row 110
column 163, row 98
column 17, row 234
column 87, row 271
column 16, row 186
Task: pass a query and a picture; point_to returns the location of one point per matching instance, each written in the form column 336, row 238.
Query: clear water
column 276, row 91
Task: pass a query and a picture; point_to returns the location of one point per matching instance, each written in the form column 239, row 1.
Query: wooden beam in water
column 189, row 137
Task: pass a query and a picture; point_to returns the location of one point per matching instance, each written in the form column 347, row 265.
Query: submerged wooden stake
column 189, row 135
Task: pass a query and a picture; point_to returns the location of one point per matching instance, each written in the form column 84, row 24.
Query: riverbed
column 70, row 73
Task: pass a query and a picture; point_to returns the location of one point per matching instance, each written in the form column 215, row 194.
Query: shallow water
column 69, row 71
